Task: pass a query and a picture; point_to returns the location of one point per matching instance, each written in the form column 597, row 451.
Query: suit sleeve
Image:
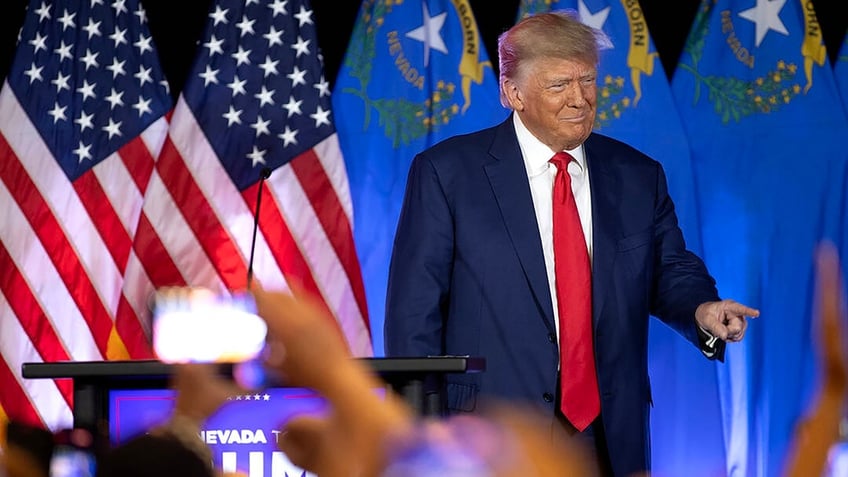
column 421, row 264
column 681, row 280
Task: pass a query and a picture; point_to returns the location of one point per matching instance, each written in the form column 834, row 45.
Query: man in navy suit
column 473, row 270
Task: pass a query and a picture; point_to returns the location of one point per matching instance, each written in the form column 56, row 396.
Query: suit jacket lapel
column 605, row 200
column 508, row 178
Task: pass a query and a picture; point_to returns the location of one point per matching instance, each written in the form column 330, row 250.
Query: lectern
column 417, row 380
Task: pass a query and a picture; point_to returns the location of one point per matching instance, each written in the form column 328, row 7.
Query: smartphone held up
column 197, row 325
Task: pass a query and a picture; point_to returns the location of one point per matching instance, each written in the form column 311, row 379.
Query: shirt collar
column 536, row 153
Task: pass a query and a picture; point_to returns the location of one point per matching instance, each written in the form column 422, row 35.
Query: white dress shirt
column 540, row 174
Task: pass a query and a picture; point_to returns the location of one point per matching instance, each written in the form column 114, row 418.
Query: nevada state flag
column 415, row 72
column 760, row 106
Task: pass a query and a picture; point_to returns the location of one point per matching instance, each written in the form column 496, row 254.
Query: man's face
column 556, row 100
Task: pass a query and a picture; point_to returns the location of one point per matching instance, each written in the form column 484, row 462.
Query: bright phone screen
column 197, row 325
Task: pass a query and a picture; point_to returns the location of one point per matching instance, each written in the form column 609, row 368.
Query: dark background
column 176, row 26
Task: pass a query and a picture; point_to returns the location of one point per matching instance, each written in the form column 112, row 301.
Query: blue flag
column 415, row 73
column 635, row 105
column 840, row 69
column 759, row 104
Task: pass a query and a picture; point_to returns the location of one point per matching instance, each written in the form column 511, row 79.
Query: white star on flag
column 766, row 16
column 429, row 33
column 595, row 20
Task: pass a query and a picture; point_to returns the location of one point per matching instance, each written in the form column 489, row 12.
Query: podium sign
column 242, row 435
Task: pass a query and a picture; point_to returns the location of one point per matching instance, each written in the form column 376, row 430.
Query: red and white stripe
column 64, row 248
column 196, row 227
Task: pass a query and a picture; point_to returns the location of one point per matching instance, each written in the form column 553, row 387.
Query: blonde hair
column 546, row 35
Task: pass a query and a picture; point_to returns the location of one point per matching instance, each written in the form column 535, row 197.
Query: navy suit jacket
column 468, row 277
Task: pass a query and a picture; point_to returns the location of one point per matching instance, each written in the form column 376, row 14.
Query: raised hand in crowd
column 819, row 429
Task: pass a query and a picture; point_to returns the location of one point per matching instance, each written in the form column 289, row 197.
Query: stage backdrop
column 754, row 91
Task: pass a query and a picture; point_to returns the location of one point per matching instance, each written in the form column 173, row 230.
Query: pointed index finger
column 740, row 309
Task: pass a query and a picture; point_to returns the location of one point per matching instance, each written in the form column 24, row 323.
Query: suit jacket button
column 548, row 397
column 551, row 338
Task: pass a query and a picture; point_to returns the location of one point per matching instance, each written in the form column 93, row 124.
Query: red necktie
column 578, row 380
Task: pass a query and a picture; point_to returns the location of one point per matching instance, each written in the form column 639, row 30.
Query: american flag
column 81, row 122
column 256, row 101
